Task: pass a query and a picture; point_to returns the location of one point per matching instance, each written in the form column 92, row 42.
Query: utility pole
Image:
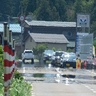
column 21, row 18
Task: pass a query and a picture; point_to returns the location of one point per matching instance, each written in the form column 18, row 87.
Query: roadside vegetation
column 1, row 72
column 38, row 50
column 19, row 86
column 94, row 43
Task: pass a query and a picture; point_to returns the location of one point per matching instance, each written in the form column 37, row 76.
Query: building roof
column 14, row 27
column 51, row 23
column 49, row 38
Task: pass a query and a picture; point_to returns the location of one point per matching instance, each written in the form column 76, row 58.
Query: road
column 53, row 81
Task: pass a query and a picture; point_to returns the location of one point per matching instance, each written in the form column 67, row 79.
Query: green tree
column 31, row 6
column 94, row 43
column 54, row 15
column 38, row 50
column 77, row 8
column 87, row 5
column 1, row 70
column 43, row 10
column 3, row 11
column 61, row 9
column 54, row 48
column 93, row 11
column 93, row 28
column 70, row 9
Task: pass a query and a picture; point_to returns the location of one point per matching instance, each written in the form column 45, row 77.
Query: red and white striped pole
column 12, row 54
column 9, row 59
column 6, row 62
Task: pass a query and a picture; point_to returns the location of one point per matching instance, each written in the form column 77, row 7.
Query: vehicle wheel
column 51, row 63
column 44, row 61
column 74, row 67
column 23, row 61
column 32, row 61
column 61, row 66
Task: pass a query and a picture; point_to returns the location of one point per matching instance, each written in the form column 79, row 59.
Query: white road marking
column 23, row 69
column 67, row 81
column 57, row 78
column 92, row 71
column 91, row 89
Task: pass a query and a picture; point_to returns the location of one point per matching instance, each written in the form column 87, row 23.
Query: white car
column 28, row 55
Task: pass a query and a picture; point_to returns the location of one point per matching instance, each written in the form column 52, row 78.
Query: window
column 69, row 34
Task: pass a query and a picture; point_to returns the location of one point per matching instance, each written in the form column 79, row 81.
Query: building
column 68, row 29
column 57, row 41
column 16, row 34
column 16, row 31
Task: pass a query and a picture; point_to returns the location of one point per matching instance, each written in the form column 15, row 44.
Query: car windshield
column 49, row 52
column 58, row 53
column 70, row 57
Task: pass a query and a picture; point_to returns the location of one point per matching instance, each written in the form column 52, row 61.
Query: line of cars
column 60, row 58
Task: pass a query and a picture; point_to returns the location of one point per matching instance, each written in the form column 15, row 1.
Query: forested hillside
column 49, row 10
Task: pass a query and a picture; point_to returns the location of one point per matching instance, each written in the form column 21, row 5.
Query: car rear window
column 28, row 52
column 58, row 53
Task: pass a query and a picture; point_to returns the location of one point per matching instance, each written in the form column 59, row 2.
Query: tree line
column 49, row 10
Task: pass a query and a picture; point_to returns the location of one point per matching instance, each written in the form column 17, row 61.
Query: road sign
column 83, row 20
column 84, row 45
column 22, row 18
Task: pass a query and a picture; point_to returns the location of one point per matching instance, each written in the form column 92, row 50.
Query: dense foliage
column 50, row 10
column 1, row 72
column 19, row 86
column 54, row 10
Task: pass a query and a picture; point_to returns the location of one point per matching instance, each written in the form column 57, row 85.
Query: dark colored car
column 68, row 60
column 56, row 58
column 47, row 55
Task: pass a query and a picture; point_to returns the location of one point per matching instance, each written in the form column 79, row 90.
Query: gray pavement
column 53, row 89
column 61, row 89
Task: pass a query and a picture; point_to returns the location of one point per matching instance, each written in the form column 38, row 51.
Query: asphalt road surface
column 53, row 81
